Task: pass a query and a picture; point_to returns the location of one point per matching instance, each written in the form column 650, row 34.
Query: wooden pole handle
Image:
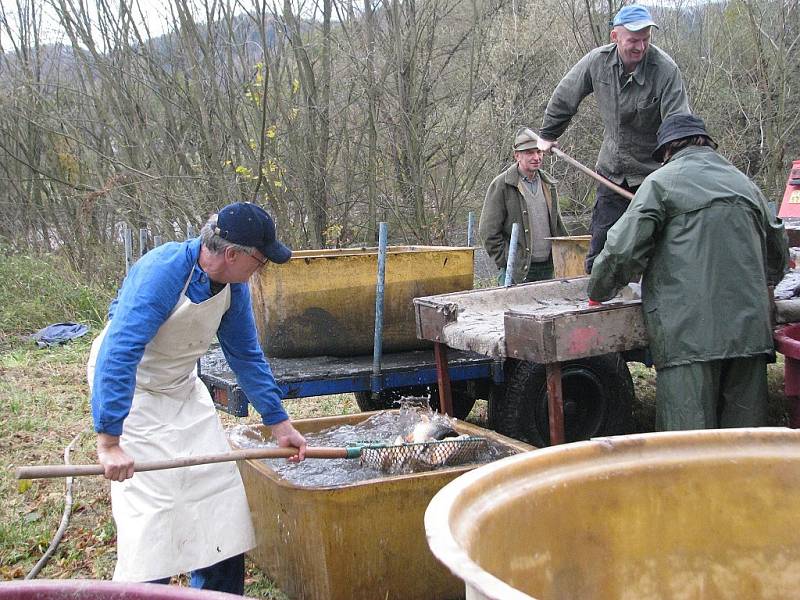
column 594, row 175
column 51, row 471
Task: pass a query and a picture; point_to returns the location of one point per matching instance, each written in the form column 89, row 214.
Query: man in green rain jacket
column 706, row 242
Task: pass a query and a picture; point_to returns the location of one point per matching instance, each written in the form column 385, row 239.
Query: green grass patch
column 45, row 405
column 321, row 406
column 38, row 291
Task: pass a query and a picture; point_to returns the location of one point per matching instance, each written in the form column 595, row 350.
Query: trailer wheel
column 598, row 398
column 463, row 398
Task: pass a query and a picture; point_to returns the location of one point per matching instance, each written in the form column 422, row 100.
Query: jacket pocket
column 648, row 114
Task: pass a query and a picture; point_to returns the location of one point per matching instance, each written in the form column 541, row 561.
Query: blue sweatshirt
column 145, row 301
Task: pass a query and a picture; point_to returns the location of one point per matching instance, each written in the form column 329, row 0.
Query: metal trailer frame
column 548, row 339
column 326, row 375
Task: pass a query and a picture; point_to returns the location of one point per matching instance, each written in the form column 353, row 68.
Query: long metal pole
column 50, row 471
column 512, row 255
column 128, row 240
column 142, row 242
column 377, row 349
column 555, row 403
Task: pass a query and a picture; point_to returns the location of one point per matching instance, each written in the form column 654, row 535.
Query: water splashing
column 413, row 422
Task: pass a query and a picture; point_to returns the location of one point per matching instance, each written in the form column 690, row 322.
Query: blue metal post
column 142, row 242
column 512, row 256
column 375, row 380
column 470, row 226
column 128, row 239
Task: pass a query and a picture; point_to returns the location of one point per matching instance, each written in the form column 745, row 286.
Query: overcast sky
column 156, row 15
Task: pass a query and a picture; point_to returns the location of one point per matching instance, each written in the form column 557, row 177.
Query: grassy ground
column 43, row 408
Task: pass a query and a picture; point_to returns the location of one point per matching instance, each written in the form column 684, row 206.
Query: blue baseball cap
column 634, row 18
column 249, row 225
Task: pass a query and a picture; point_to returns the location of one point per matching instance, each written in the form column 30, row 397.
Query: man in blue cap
column 636, row 86
column 148, row 403
column 708, row 245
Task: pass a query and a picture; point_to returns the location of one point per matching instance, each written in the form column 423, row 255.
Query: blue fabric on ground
column 58, row 333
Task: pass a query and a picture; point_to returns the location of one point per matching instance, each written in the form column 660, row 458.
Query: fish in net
column 424, row 456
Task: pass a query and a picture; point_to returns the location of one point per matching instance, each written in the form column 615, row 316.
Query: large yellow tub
column 363, row 541
column 684, row 515
column 569, row 255
column 322, row 302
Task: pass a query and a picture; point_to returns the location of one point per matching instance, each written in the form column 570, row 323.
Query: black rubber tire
column 598, row 399
column 463, row 400
column 494, row 404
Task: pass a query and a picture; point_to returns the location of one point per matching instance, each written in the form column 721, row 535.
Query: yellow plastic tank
column 698, row 514
column 322, row 302
column 569, row 254
column 363, row 541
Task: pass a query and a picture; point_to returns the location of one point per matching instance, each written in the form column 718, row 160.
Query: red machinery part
column 787, row 342
column 790, row 206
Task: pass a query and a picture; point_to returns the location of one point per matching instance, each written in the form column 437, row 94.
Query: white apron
column 178, row 520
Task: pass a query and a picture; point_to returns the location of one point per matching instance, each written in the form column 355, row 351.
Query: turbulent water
column 384, row 428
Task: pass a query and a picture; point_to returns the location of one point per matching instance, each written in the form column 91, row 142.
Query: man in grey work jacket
column 708, row 245
column 636, row 86
column 526, row 195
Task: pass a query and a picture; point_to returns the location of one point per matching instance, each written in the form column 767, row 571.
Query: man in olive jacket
column 526, row 195
column 709, row 246
column 636, row 86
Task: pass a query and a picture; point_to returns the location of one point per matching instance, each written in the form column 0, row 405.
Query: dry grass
column 44, row 406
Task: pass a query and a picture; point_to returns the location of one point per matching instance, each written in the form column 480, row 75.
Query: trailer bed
column 324, row 375
column 543, row 322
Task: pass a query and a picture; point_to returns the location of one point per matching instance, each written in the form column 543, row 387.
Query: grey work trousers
column 608, row 208
column 718, row 393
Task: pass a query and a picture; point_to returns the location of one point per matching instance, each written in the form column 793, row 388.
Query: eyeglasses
column 262, row 262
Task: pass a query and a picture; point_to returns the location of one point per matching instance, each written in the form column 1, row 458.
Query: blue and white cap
column 634, row 18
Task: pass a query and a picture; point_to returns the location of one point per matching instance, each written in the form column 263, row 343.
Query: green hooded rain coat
column 708, row 245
